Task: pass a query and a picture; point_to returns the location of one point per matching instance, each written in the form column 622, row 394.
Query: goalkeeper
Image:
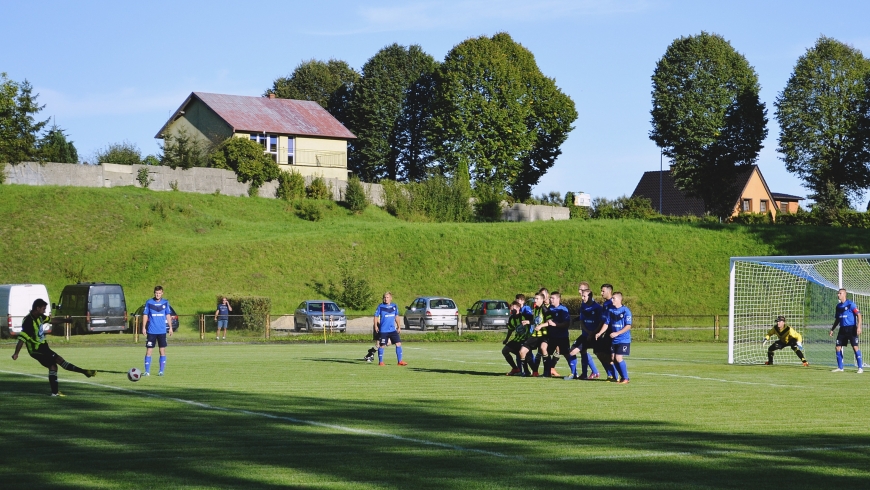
column 786, row 337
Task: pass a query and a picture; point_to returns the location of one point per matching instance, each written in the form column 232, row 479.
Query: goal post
column 803, row 288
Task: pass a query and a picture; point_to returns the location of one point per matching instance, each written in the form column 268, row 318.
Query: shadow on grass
column 456, row 371
column 123, row 439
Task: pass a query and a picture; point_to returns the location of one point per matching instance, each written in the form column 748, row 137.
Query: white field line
column 718, row 380
column 453, row 447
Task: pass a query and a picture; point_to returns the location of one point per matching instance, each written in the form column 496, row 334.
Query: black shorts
column 583, row 342
column 533, row 343
column 603, row 344
column 155, row 338
column 392, row 336
column 560, row 344
column 513, row 346
column 848, row 337
column 621, row 349
column 44, row 355
column 779, row 344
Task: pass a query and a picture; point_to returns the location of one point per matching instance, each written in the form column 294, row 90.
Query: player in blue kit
column 849, row 320
column 590, row 322
column 617, row 324
column 602, row 343
column 156, row 323
column 387, row 325
column 558, row 337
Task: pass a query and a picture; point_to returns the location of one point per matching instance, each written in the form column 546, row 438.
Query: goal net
column 804, row 290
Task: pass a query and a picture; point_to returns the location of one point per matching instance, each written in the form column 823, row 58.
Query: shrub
column 2, row 173
column 753, row 219
column 183, row 150
column 174, row 185
column 355, row 195
column 623, row 207
column 249, row 312
column 125, row 153
column 434, row 199
column 291, row 185
column 143, row 177
column 317, row 189
column 309, row 211
column 487, row 202
column 355, row 292
column 151, row 160
column 247, row 160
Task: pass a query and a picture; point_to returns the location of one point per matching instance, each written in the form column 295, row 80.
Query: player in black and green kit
column 518, row 326
column 540, row 321
column 33, row 336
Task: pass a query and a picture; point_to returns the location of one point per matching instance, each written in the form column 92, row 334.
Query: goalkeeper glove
column 763, row 341
column 800, row 347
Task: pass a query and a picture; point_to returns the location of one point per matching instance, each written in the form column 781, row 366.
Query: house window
column 747, row 206
column 762, row 208
column 783, row 207
column 291, row 149
column 269, row 142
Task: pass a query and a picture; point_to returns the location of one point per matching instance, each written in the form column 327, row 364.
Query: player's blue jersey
column 559, row 314
column 617, row 318
column 387, row 313
column 527, row 310
column 846, row 313
column 590, row 316
column 156, row 312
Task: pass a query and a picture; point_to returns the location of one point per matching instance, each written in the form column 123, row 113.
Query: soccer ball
column 134, row 374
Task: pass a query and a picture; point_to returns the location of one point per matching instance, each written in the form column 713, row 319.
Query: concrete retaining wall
column 208, row 181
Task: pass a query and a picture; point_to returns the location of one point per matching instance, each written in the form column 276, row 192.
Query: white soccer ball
column 134, row 374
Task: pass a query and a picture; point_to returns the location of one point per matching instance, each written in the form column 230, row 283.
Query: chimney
column 271, row 96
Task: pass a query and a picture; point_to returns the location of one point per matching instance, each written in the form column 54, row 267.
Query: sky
column 110, row 72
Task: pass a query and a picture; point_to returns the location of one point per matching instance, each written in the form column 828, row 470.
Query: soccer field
column 313, row 416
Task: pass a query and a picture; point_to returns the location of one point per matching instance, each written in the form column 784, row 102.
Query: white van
column 16, row 300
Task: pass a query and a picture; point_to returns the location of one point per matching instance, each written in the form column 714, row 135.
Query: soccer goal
column 804, row 289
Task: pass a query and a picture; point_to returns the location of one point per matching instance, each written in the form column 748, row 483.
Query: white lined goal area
column 804, row 290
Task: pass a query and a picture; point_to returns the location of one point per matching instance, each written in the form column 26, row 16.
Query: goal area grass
column 317, row 416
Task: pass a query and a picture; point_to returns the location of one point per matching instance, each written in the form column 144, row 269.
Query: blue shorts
column 621, row 349
column 848, row 337
column 222, row 324
column 392, row 336
column 155, row 338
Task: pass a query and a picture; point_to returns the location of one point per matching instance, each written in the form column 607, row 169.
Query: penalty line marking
column 699, row 378
column 338, row 428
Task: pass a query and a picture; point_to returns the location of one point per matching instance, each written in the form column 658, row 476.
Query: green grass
column 199, row 246
column 268, row 416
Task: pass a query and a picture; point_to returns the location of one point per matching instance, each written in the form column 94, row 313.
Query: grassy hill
column 198, row 246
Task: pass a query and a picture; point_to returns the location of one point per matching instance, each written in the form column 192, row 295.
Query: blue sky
column 114, row 71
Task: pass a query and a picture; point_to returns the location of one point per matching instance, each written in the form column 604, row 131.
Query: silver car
column 432, row 311
column 319, row 314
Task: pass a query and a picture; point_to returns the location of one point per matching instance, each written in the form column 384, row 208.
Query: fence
column 645, row 327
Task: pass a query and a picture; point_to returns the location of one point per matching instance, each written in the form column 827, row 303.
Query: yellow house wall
column 756, row 191
column 200, row 122
column 332, row 153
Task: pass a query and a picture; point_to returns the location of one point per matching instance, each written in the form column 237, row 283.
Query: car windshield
column 442, row 304
column 496, row 305
column 328, row 307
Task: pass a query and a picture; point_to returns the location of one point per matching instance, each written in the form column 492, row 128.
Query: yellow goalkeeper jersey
column 785, row 335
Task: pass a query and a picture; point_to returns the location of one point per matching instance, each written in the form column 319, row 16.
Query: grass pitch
column 314, row 416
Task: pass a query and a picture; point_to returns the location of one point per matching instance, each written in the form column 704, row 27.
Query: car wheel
column 308, row 325
column 423, row 324
column 295, row 325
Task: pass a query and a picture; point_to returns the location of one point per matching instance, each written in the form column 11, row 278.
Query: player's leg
column 72, row 367
column 620, row 351
column 398, row 343
column 572, row 358
column 508, row 352
column 161, row 344
column 524, row 362
column 839, row 348
column 587, row 361
column 382, row 342
column 150, row 342
column 859, row 359
column 770, row 350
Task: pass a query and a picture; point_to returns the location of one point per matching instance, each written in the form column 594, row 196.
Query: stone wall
column 208, row 181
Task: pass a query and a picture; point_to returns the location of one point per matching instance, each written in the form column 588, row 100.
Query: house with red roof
column 299, row 135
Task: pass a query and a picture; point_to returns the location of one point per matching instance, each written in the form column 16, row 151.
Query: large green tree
column 329, row 83
column 390, row 114
column 497, row 115
column 19, row 130
column 819, row 113
column 247, row 160
column 707, row 117
column 54, row 147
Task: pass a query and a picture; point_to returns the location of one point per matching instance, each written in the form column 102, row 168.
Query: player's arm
column 145, row 321
column 169, row 318
column 604, row 326
column 17, row 349
column 398, row 321
column 621, row 331
column 858, row 319
column 834, row 326
column 376, row 320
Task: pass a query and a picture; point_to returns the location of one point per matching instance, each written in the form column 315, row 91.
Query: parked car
column 140, row 310
column 319, row 314
column 93, row 307
column 432, row 311
column 16, row 300
column 487, row 314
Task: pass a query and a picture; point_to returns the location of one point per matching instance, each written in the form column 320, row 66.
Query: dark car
column 93, row 307
column 138, row 314
column 488, row 314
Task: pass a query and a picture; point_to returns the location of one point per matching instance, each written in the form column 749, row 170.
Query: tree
column 707, row 117
column 183, row 150
column 247, row 160
column 327, row 83
column 19, row 131
column 820, row 115
column 390, row 112
column 124, row 153
column 54, row 147
column 496, row 114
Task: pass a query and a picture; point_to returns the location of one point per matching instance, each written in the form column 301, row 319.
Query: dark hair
column 38, row 302
column 158, row 288
column 515, row 303
column 608, row 286
column 521, row 297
